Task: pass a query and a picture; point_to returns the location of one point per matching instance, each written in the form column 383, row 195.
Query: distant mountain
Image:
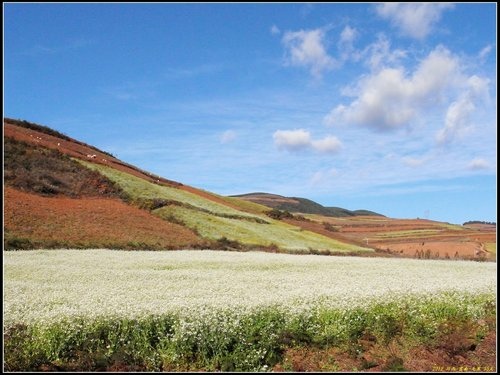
column 301, row 205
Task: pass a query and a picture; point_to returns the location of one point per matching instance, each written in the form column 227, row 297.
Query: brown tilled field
column 93, row 222
column 408, row 237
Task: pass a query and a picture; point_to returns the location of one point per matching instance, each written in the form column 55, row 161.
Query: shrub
column 279, row 215
column 328, row 226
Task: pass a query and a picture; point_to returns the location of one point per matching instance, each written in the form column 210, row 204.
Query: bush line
column 228, row 340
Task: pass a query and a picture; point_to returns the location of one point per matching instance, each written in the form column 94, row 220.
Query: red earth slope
column 84, row 222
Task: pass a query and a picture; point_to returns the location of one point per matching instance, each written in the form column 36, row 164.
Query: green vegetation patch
column 492, row 248
column 409, row 233
column 215, row 221
column 226, row 340
column 250, row 232
column 452, row 226
column 247, row 205
column 140, row 190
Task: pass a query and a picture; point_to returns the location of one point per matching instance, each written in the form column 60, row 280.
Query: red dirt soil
column 89, row 221
column 480, row 358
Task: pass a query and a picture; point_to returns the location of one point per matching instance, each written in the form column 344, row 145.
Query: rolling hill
column 61, row 192
column 301, row 205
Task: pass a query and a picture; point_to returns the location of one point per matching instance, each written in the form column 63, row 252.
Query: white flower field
column 51, row 284
column 213, row 297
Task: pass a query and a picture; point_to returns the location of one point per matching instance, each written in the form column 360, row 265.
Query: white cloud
column 348, row 35
column 380, row 54
column 381, row 102
column 415, row 20
column 228, row 136
column 478, row 87
column 292, row 140
column 435, row 73
column 478, row 164
column 483, row 54
column 345, row 44
column 328, row 144
column 457, row 118
column 392, row 98
column 306, row 48
column 300, row 139
column 275, row 30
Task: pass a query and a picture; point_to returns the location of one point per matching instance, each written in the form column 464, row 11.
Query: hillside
column 301, row 205
column 60, row 192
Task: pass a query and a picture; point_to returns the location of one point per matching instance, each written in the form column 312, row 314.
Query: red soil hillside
column 85, row 222
column 78, row 196
column 80, row 150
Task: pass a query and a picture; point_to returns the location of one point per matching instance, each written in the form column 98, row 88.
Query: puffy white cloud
column 383, row 102
column 306, row 48
column 292, row 140
column 437, row 72
column 392, row 98
column 228, row 136
column 415, row 20
column 478, row 164
column 300, row 139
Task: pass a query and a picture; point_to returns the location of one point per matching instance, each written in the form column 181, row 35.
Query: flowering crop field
column 223, row 310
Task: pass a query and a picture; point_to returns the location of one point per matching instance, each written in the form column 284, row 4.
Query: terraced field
column 212, row 220
column 413, row 237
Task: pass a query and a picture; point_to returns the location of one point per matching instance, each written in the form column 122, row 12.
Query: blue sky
column 386, row 107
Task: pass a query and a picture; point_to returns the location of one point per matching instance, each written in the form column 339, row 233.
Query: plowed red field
column 89, row 221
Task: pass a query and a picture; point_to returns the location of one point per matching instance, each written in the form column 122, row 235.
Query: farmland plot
column 224, row 310
column 214, row 220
